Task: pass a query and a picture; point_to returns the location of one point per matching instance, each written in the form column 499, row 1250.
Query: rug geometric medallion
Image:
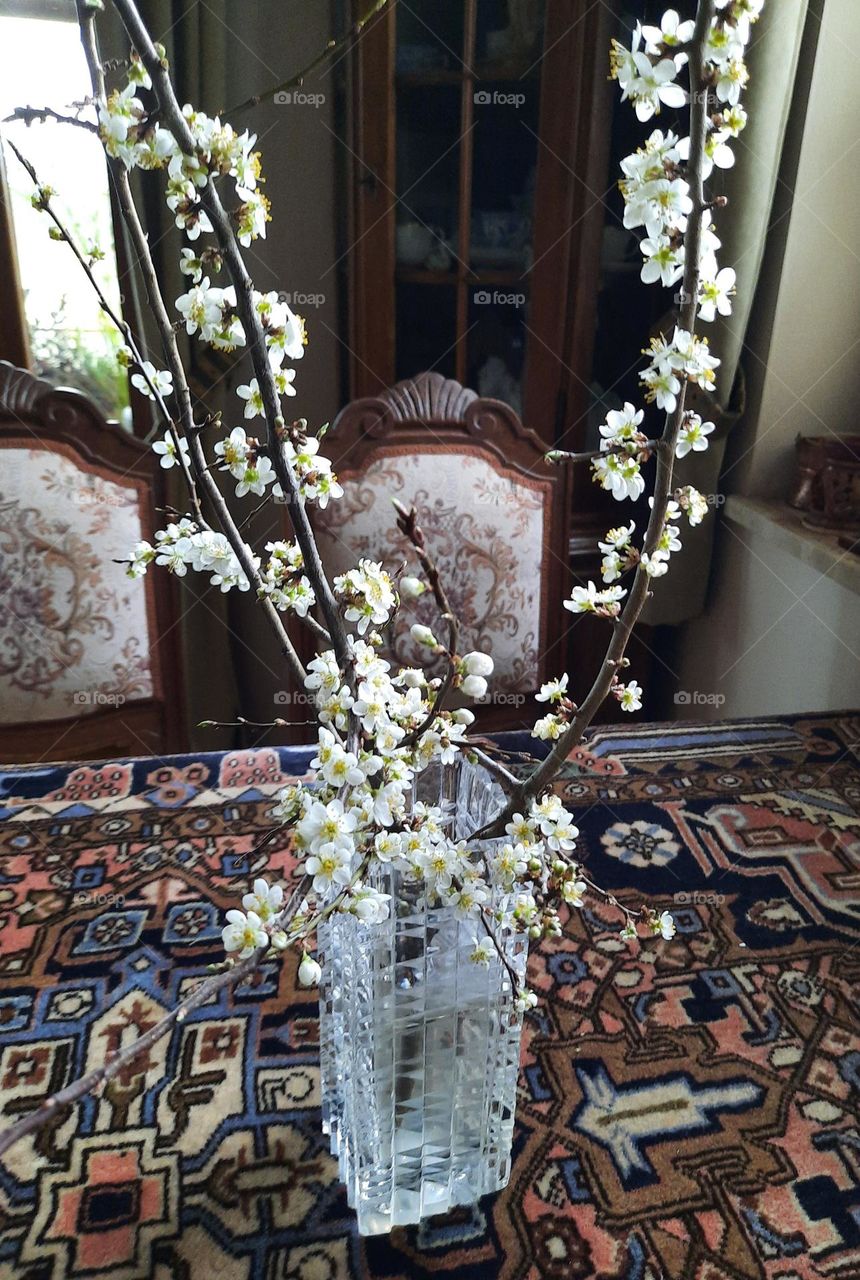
column 687, row 1110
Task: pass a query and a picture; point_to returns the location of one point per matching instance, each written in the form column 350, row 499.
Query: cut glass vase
column 420, row 1045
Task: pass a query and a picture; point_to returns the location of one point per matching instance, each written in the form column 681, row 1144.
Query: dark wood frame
column 34, row 413
column 571, row 177
column 430, row 414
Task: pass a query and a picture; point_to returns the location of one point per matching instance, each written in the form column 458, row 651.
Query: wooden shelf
column 489, row 275
column 424, row 79
column 493, row 73
column 423, row 275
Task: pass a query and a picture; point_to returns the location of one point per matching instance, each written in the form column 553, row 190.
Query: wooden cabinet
column 480, row 164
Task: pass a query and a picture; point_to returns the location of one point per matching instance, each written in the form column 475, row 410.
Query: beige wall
column 803, row 352
column 756, row 646
column 782, row 635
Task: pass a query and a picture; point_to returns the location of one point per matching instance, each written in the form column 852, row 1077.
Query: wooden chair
column 88, row 658
column 495, row 518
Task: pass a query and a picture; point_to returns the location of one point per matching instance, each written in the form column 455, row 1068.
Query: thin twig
column 561, row 455
column 240, row 721
column 512, row 973
column 296, row 81
column 407, row 523
column 121, row 324
column 29, row 115
column 508, row 780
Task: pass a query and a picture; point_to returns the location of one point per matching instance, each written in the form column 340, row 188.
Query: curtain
column 743, row 227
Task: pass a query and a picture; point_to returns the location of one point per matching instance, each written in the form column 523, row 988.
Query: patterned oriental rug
column 688, row 1111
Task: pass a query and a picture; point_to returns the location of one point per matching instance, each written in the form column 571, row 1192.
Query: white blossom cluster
column 658, row 201
column 131, row 134
column 183, row 546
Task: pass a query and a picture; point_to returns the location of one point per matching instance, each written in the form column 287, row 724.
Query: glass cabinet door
column 467, row 124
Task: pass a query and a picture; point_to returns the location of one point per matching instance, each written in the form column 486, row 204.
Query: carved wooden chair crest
column 493, row 512
column 81, row 672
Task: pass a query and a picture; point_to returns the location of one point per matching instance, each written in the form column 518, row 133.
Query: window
column 71, row 341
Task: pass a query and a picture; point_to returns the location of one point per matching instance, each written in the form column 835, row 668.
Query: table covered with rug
column 688, row 1110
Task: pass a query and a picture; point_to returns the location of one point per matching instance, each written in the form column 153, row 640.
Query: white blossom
column 693, row 435
column 553, row 690
column 477, row 664
column 715, row 295
column 664, row 925
column 265, row 901
column 200, row 308
column 166, row 449
column 150, row 377
column 474, row 686
column 630, row 696
column 243, row 933
column 590, row 600
column 672, row 31
column 664, row 261
column 549, row 727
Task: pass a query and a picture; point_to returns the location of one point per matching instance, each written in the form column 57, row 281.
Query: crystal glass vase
column 419, row 1045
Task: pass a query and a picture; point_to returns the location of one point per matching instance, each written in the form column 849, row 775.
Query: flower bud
column 422, row 635
column 411, row 588
column 477, row 664
column 474, row 686
column 463, row 715
column 279, row 940
column 309, row 971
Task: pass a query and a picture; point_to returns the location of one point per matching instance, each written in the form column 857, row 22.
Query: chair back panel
column 493, row 514
column 74, row 632
column 88, row 658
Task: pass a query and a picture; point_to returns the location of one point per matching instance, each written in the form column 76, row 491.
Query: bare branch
column 508, row 780
column 124, row 1057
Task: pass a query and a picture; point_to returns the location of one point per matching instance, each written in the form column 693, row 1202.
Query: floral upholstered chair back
column 77, row 669
column 492, row 513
